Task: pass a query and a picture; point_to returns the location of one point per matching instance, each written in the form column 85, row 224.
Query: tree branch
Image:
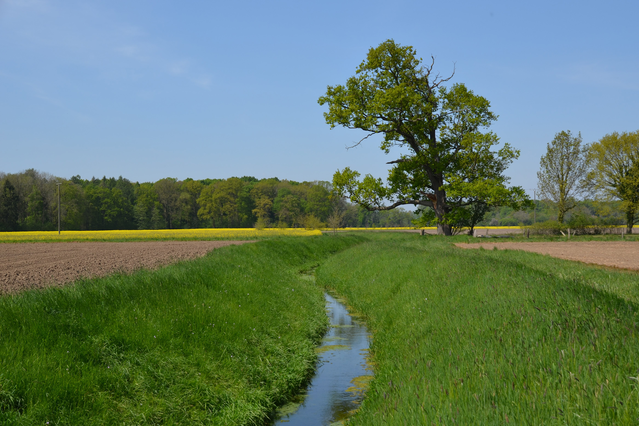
column 362, row 140
column 425, row 203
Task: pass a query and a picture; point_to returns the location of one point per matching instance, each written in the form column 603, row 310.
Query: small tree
column 615, row 171
column 335, row 219
column 312, row 222
column 562, row 171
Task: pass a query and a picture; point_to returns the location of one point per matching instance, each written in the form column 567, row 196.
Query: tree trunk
column 630, row 220
column 560, row 217
column 444, row 229
column 440, row 207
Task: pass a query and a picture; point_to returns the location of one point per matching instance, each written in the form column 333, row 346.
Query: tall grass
column 491, row 337
column 218, row 340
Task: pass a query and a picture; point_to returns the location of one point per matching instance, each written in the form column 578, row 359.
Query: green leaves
column 614, row 172
column 394, row 95
column 369, row 192
column 562, row 172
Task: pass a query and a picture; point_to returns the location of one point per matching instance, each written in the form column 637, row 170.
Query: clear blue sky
column 153, row 89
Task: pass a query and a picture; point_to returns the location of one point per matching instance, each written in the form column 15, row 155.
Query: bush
column 549, row 227
column 581, row 224
column 261, row 224
column 311, row 222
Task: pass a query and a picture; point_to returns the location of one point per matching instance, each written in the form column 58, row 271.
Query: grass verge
column 479, row 337
column 218, row 340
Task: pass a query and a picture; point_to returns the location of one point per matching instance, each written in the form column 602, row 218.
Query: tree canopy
column 562, row 172
column 614, row 172
column 450, row 167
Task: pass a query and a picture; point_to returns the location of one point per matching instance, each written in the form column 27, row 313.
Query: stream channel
column 341, row 378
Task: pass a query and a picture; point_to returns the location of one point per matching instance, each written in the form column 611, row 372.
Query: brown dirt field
column 36, row 265
column 615, row 254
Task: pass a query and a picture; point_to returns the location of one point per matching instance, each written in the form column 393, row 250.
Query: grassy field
column 219, row 340
column 459, row 337
column 490, row 337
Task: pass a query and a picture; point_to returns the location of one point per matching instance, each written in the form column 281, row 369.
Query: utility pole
column 535, row 207
column 59, row 208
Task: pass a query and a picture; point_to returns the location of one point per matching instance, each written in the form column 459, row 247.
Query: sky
column 208, row 89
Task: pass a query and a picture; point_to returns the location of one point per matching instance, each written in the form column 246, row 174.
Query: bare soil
column 38, row 265
column 615, row 254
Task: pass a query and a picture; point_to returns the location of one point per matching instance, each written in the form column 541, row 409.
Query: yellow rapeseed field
column 155, row 234
column 186, row 234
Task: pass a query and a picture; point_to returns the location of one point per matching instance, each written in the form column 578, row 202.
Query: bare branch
column 401, row 160
column 425, row 203
column 429, row 69
column 362, row 140
column 438, row 80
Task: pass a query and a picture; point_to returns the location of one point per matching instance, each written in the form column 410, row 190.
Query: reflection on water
column 339, row 382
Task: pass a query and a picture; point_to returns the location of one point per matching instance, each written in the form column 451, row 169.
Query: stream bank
column 342, row 376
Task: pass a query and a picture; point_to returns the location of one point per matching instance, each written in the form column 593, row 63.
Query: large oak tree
column 450, row 166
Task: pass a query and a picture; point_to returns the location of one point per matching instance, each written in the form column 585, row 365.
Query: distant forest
column 28, row 202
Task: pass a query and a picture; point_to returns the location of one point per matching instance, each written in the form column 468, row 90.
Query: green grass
column 219, row 340
column 460, row 337
column 490, row 337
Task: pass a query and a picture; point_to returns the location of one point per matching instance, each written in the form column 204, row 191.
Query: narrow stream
column 342, row 377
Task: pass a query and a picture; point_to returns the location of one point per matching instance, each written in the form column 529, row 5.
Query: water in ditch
column 342, row 377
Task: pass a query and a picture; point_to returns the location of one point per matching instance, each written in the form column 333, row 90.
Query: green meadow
column 221, row 340
column 459, row 337
column 490, row 337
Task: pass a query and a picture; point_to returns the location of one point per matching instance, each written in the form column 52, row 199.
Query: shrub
column 581, row 224
column 261, row 224
column 311, row 222
column 549, row 227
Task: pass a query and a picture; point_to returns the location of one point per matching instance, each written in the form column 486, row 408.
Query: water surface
column 343, row 374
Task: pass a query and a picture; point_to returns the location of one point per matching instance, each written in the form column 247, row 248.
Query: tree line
column 28, row 202
column 604, row 174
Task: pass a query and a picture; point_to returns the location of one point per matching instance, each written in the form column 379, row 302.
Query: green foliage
column 312, row 222
column 168, row 195
column 9, row 203
column 225, row 204
column 335, row 219
column 549, row 227
column 318, row 202
column 73, row 204
column 218, row 341
column 261, row 223
column 450, row 163
column 562, row 172
column 615, row 171
column 37, row 219
column 478, row 337
column 148, row 210
column 108, row 208
column 110, row 203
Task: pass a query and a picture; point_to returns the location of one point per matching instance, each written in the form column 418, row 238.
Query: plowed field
column 36, row 265
column 616, row 254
